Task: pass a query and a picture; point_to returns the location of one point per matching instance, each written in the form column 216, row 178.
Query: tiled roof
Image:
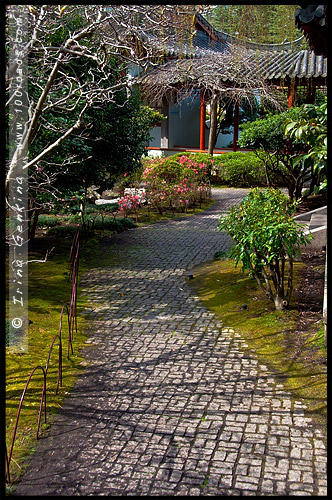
column 275, row 60
column 302, row 64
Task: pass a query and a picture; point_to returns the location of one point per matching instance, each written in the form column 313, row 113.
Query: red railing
column 72, row 322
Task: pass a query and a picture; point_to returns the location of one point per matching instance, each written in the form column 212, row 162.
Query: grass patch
column 272, row 335
column 49, row 288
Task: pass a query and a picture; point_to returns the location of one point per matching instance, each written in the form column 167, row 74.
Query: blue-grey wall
column 184, row 127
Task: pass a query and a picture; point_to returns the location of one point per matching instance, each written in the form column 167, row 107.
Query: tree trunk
column 34, row 221
column 280, row 303
column 213, row 125
column 267, row 175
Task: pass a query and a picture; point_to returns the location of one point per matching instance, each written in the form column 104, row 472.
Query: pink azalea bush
column 130, row 203
column 175, row 183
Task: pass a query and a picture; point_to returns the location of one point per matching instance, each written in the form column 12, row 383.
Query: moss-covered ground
column 297, row 358
column 49, row 289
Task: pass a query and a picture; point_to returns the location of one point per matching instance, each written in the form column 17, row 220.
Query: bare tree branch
column 228, row 75
column 64, row 41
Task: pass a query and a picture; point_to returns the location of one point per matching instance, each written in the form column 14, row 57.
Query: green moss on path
column 271, row 335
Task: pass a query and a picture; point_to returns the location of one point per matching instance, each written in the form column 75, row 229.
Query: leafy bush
column 267, row 136
column 125, row 223
column 110, row 207
column 92, row 222
column 75, row 218
column 111, row 224
column 236, row 169
column 49, row 221
column 62, row 231
column 311, row 129
column 243, row 169
column 267, row 240
column 240, row 169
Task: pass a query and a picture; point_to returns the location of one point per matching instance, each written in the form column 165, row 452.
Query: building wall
column 184, row 127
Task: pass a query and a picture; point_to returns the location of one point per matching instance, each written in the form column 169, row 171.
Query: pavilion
column 286, row 66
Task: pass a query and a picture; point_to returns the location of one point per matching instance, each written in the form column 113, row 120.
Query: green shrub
column 285, row 154
column 110, row 207
column 62, row 231
column 90, row 209
column 109, row 224
column 112, row 224
column 75, row 218
column 240, row 169
column 267, row 240
column 49, row 221
column 125, row 223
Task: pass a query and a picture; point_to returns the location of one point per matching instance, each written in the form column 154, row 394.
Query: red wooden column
column 202, row 124
column 291, row 94
column 236, row 125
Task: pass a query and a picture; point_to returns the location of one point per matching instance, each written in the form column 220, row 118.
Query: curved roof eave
column 225, row 37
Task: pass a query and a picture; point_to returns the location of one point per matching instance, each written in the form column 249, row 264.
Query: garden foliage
column 176, row 183
column 311, row 129
column 284, row 155
column 239, row 169
column 267, row 239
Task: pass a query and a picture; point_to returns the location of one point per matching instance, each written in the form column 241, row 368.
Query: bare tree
column 228, row 77
column 69, row 50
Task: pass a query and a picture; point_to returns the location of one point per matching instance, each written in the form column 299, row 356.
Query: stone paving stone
column 170, row 404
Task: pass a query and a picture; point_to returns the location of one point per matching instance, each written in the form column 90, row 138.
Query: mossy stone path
column 170, row 403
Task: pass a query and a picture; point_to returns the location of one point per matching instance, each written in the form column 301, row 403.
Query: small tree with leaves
column 283, row 155
column 267, row 239
column 310, row 128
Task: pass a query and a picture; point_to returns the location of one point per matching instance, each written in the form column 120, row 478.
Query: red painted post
column 202, row 124
column 236, row 125
column 291, row 94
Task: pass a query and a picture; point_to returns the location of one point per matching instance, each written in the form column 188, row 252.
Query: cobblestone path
column 170, row 403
